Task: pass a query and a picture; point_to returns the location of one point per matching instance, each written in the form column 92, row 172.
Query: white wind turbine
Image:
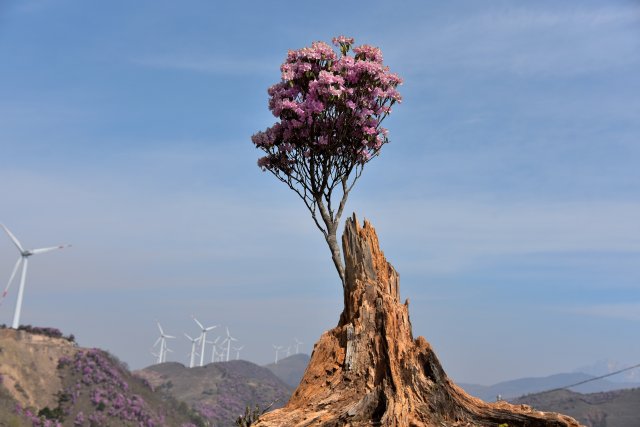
column 214, row 351
column 193, row 349
column 298, row 342
column 166, row 349
column 24, row 255
column 288, row 351
column 162, row 339
column 156, row 356
column 237, row 350
column 277, row 348
column 228, row 340
column 203, row 337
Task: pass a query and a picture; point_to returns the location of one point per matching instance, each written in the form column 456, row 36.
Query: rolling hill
column 46, row 378
column 219, row 391
column 620, row 408
column 519, row 387
column 290, row 369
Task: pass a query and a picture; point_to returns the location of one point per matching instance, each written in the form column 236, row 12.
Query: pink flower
column 340, row 40
column 328, row 104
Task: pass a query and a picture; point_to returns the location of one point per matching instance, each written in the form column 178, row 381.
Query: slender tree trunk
column 332, row 241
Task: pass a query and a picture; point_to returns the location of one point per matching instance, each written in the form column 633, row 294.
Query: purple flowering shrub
column 330, row 106
column 46, row 331
column 36, row 419
column 99, row 379
column 99, row 391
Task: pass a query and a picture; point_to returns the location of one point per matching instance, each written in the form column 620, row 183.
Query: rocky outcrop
column 370, row 371
column 29, row 366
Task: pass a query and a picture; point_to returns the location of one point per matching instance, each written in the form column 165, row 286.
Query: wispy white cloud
column 527, row 42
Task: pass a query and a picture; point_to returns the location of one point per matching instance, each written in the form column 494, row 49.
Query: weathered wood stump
column 369, row 371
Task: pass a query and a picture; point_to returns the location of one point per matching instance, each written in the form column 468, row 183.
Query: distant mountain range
column 608, row 366
column 519, row 387
column 290, row 369
column 620, row 408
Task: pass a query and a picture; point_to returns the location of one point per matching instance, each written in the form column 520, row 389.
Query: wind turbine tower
column 237, row 350
column 277, row 348
column 298, row 342
column 24, row 256
column 228, row 340
column 203, row 337
column 162, row 339
column 192, row 354
column 214, row 351
column 166, row 349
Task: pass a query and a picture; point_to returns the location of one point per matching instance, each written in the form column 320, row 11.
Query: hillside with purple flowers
column 219, row 391
column 48, row 381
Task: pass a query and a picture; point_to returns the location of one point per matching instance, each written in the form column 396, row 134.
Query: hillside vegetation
column 49, row 381
column 219, row 391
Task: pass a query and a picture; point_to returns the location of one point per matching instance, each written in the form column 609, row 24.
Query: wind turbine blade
column 228, row 334
column 44, row 250
column 160, row 327
column 211, row 328
column 190, row 339
column 13, row 238
column 157, row 341
column 199, row 324
column 169, row 336
column 13, row 275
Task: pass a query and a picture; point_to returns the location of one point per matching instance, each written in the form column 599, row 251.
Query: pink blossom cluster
column 100, row 380
column 328, row 103
column 35, row 419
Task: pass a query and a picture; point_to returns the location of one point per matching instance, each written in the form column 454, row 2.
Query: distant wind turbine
column 166, row 349
column 298, row 342
column 228, row 340
column 237, row 350
column 193, row 349
column 156, row 356
column 214, row 347
column 162, row 340
column 203, row 337
column 288, row 351
column 24, row 255
column 277, row 348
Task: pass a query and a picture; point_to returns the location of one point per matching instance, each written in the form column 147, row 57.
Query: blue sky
column 507, row 199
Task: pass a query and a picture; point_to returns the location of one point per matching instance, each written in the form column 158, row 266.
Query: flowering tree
column 330, row 108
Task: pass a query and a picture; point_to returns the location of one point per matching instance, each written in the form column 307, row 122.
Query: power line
column 590, row 379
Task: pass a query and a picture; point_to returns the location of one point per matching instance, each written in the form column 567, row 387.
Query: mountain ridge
column 521, row 386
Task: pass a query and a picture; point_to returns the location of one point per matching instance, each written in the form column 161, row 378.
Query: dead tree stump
column 369, row 371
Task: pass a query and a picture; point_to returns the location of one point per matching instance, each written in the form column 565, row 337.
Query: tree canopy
column 330, row 107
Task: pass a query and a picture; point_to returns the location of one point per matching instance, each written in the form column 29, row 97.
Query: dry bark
column 369, row 371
